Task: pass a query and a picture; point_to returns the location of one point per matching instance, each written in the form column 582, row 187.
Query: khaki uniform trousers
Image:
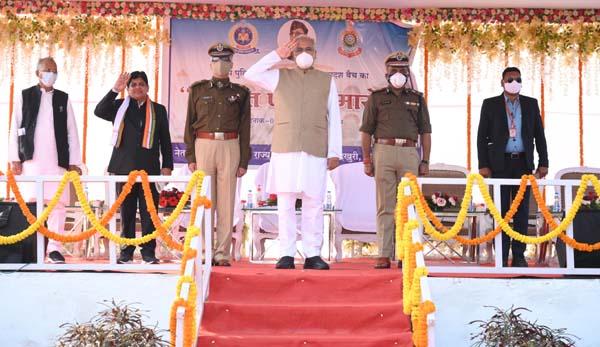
column 220, row 159
column 390, row 163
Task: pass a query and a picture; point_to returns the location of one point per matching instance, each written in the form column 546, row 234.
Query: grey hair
column 43, row 60
column 306, row 38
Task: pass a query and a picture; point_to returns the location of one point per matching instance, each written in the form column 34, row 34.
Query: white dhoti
column 56, row 219
column 292, row 176
column 45, row 160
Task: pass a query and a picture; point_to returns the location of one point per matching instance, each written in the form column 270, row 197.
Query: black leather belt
column 515, row 155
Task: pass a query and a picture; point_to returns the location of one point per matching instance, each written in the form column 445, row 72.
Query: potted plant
column 509, row 329
column 119, row 325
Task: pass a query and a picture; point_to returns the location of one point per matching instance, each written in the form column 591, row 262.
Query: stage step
column 350, row 305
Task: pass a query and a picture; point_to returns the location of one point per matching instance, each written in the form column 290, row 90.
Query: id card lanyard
column 512, row 129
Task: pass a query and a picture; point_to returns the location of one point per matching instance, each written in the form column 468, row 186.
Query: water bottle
column 556, row 206
column 87, row 195
column 258, row 194
column 328, row 203
column 250, row 201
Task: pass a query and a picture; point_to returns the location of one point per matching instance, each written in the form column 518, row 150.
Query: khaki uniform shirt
column 218, row 106
column 403, row 116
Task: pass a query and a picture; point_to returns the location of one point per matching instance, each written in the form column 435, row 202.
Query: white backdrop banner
column 352, row 53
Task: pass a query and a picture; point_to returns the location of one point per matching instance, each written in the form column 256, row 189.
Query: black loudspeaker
column 586, row 228
column 12, row 221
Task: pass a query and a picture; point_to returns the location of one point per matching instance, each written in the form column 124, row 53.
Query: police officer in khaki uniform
column 217, row 137
column 393, row 119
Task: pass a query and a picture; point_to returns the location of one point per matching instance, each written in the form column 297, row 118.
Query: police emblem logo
column 351, row 41
column 220, row 47
column 243, row 38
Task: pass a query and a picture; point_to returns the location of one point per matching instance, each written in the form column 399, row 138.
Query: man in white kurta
column 53, row 144
column 307, row 140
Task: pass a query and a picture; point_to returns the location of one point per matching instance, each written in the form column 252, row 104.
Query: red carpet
column 350, row 305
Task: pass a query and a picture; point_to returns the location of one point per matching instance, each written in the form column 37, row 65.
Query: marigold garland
column 237, row 12
column 190, row 321
column 558, row 230
column 68, row 238
column 411, row 284
column 33, row 227
column 420, row 331
column 99, row 226
column 479, row 240
column 580, row 246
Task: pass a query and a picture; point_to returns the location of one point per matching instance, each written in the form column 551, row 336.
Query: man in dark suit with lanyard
column 509, row 128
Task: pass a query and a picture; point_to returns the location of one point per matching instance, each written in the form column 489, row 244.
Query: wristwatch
column 425, row 162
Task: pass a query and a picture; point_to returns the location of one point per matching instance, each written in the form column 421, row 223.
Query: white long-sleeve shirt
column 298, row 172
column 45, row 154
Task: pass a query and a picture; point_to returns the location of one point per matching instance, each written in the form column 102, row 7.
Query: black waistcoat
column 31, row 106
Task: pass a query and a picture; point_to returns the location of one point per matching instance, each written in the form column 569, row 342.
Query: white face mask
column 304, row 60
column 48, row 78
column 513, row 87
column 398, row 80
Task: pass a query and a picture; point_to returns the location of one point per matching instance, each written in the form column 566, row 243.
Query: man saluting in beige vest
column 307, row 140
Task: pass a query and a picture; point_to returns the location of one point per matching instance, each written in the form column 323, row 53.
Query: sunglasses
column 518, row 79
column 225, row 58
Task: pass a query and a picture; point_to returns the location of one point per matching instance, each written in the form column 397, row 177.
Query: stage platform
column 36, row 303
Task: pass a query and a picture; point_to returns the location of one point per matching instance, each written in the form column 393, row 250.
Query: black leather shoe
column 519, row 262
column 315, row 263
column 285, row 263
column 56, row 258
column 125, row 258
column 150, row 259
column 222, row 262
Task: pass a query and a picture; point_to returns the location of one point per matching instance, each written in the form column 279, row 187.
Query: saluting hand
column 121, row 82
column 286, row 50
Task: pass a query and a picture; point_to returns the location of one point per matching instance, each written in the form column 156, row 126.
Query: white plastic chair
column 265, row 226
column 355, row 197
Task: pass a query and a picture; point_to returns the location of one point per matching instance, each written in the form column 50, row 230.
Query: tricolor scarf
column 149, row 128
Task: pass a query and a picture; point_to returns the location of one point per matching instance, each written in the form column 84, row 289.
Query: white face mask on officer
column 398, row 80
column 48, row 78
column 304, row 60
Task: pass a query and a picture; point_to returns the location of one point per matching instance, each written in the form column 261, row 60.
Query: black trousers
column 128, row 217
column 514, row 168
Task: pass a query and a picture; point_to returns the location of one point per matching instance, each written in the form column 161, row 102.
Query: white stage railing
column 111, row 196
column 420, row 262
column 202, row 265
column 497, row 268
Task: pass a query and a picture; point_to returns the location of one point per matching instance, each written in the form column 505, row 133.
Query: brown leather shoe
column 222, row 262
column 383, row 263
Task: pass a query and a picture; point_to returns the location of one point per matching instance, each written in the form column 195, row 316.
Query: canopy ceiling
column 578, row 4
